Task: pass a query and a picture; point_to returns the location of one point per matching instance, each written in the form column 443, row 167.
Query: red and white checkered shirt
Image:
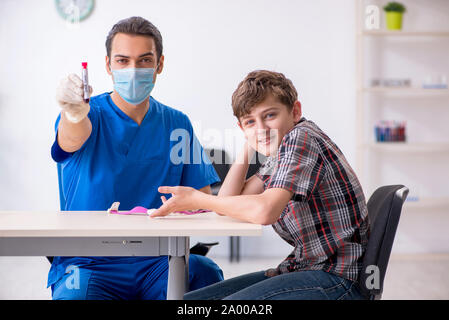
column 326, row 220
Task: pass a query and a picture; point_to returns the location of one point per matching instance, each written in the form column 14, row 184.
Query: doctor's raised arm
column 74, row 127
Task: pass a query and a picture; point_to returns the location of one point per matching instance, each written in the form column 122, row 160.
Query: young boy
column 306, row 190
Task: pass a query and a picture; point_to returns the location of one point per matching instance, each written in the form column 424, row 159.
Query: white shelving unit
column 400, row 33
column 407, row 91
column 376, row 151
column 404, row 147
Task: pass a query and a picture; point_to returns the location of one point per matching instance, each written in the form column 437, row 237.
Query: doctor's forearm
column 71, row 136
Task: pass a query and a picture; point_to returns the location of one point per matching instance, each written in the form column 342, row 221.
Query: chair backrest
column 255, row 164
column 220, row 161
column 384, row 210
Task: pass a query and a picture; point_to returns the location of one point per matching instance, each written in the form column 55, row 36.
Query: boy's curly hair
column 255, row 88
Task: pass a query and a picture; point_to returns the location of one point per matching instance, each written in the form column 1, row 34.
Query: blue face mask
column 134, row 85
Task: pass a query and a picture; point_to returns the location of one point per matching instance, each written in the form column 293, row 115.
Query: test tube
column 382, row 130
column 395, row 132
column 403, row 137
column 85, row 81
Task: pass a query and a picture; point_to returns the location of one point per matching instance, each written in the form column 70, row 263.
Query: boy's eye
column 248, row 122
column 270, row 115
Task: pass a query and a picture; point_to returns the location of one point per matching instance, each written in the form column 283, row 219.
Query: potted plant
column 393, row 12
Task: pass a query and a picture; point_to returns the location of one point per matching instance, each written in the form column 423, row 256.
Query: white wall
column 209, row 47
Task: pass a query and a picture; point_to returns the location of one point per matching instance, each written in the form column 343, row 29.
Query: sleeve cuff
column 58, row 154
column 207, row 182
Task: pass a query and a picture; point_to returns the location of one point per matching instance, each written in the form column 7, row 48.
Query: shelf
column 428, row 203
column 376, row 53
column 404, row 147
column 401, row 33
column 406, row 91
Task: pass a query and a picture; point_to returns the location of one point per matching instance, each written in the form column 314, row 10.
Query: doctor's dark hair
column 136, row 26
column 257, row 86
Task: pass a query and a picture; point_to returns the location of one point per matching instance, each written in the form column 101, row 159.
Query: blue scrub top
column 122, row 161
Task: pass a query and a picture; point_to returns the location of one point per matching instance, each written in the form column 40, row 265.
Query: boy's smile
column 267, row 123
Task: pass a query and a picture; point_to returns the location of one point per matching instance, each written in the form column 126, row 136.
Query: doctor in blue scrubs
column 121, row 146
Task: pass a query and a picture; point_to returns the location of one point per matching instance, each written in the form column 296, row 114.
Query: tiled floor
column 409, row 276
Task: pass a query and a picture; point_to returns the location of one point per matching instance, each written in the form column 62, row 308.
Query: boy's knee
column 203, row 272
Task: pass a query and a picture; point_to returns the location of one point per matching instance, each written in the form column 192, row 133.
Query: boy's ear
column 297, row 111
column 241, row 128
column 239, row 124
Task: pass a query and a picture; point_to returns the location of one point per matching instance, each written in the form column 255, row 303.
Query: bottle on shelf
column 390, row 131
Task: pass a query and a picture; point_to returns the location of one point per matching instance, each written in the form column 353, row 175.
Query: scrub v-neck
column 131, row 145
column 124, row 116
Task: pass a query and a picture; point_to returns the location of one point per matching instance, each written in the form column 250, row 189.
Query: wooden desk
column 97, row 233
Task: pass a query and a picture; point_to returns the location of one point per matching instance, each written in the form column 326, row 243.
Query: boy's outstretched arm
column 264, row 208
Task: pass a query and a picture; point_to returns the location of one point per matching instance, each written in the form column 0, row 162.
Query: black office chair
column 221, row 163
column 384, row 210
column 255, row 164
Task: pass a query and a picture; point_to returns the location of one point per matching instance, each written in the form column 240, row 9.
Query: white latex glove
column 70, row 98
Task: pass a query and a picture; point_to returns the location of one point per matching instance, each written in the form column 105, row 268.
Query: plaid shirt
column 326, row 220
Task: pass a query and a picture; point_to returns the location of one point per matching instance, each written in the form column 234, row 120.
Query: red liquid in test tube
column 85, row 79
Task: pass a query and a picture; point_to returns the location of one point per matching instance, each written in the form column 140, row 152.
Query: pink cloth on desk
column 140, row 209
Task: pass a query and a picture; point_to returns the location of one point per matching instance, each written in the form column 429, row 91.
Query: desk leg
column 178, row 267
column 234, row 244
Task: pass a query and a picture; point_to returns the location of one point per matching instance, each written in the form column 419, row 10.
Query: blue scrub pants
column 129, row 278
